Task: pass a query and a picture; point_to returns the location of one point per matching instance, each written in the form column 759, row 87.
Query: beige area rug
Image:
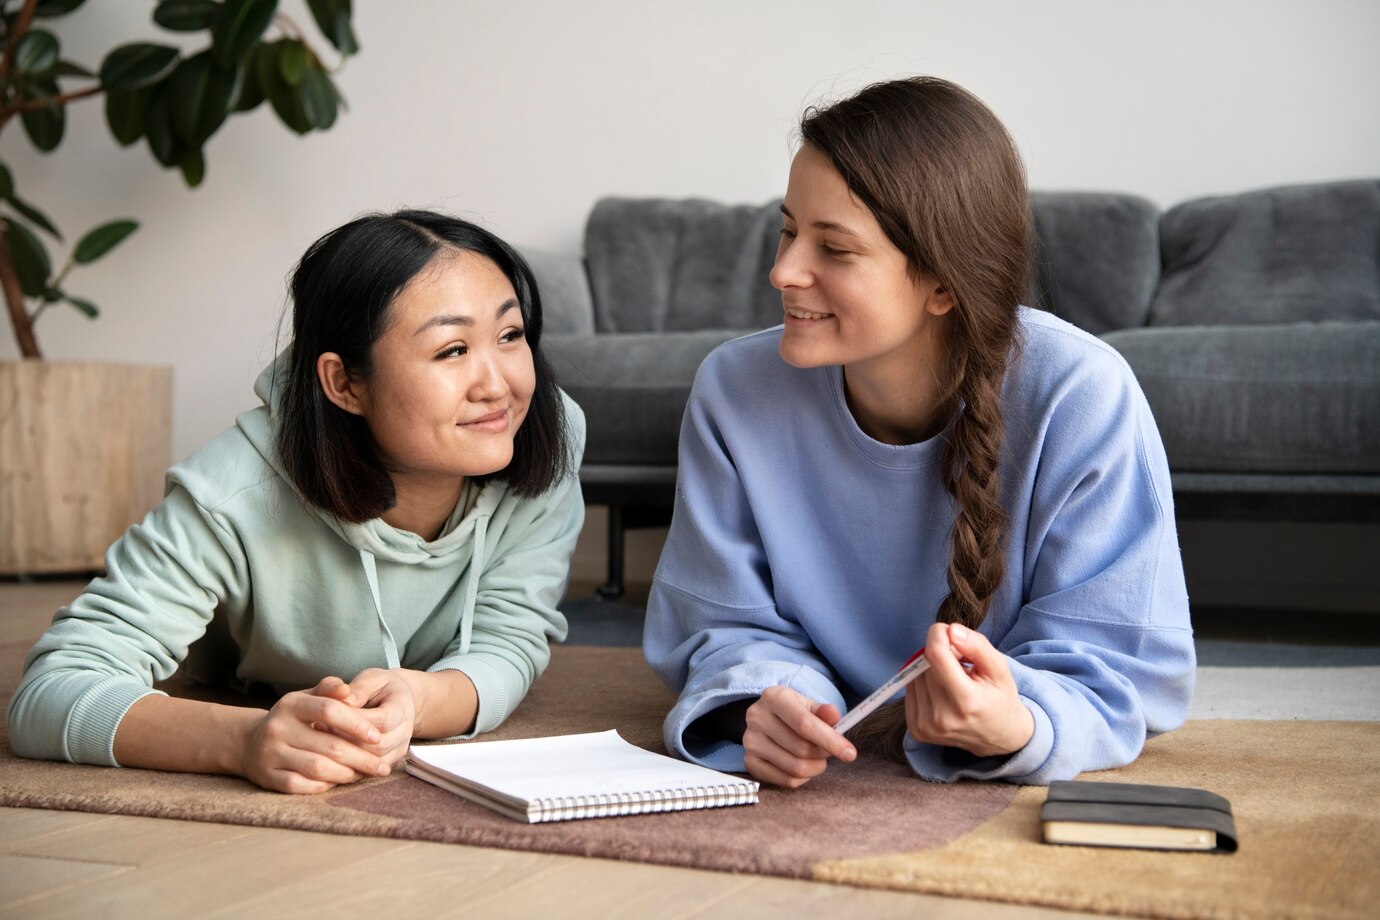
column 1306, row 797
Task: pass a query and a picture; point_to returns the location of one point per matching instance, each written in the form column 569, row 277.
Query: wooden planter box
column 83, row 450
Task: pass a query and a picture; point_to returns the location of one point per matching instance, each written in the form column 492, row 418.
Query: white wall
column 521, row 114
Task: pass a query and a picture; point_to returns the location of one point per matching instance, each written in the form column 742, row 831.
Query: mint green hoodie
column 235, row 578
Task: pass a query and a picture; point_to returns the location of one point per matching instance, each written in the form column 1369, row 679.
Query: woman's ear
column 940, row 301
column 339, row 387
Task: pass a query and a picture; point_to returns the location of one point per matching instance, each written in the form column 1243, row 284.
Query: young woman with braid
column 914, row 459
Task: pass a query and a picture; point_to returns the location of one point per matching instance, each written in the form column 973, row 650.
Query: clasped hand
column 790, row 738
column 335, row 733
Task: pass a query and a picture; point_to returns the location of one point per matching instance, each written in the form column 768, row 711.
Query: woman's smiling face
column 848, row 293
column 452, row 373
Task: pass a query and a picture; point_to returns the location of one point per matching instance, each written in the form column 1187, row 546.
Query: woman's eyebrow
column 459, row 319
column 825, row 224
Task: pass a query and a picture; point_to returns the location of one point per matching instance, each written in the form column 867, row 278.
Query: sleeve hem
column 96, row 716
column 496, row 694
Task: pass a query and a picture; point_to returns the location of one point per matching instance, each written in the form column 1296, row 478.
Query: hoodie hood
column 379, row 539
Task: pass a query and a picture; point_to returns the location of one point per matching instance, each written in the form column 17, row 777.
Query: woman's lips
column 493, row 423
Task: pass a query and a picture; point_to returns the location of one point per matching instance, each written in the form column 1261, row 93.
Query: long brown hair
column 943, row 178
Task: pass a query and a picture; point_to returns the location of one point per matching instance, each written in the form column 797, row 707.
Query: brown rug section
column 1305, row 795
column 1306, row 798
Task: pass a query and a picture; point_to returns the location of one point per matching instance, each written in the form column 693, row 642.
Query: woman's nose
column 789, row 269
column 488, row 382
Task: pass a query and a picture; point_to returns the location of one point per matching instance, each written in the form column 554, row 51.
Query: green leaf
column 251, row 94
column 34, row 214
column 36, row 52
column 286, row 101
column 200, row 93
column 186, row 15
column 293, row 59
column 333, row 18
column 158, row 129
column 193, row 168
column 83, row 305
column 51, row 295
column 50, row 8
column 101, row 240
column 126, row 112
column 6, row 182
column 44, row 126
column 30, row 258
column 240, row 24
column 318, row 99
column 70, row 69
column 137, row 65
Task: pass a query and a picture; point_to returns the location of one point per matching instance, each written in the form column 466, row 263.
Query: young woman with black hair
column 914, row 459
column 383, row 542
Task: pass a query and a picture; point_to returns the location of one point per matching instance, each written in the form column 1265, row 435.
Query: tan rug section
column 1306, row 796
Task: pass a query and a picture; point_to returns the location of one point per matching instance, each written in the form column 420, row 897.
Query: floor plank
column 21, row 827
column 222, row 875
column 785, row 899
column 26, row 878
column 131, row 841
column 431, row 879
column 609, row 889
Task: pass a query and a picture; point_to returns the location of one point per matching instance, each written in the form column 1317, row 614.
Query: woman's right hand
column 790, row 738
column 309, row 742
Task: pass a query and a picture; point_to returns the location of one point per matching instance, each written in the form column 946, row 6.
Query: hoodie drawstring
column 481, row 530
column 371, row 573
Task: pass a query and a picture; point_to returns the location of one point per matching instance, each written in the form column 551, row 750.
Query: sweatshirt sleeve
column 713, row 631
column 126, row 631
column 515, row 614
column 1102, row 649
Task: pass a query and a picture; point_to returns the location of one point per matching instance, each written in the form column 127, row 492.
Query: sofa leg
column 614, row 588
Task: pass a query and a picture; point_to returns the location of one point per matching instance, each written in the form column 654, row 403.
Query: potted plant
column 84, row 445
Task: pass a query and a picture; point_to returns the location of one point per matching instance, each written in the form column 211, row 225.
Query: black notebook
column 1134, row 815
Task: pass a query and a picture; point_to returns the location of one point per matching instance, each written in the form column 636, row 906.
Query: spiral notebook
column 594, row 775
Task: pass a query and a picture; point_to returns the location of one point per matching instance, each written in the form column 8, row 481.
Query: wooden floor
column 72, row 864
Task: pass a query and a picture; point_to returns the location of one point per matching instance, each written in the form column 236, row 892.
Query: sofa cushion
column 658, row 265
column 1299, row 398
column 633, row 388
column 1098, row 258
column 1295, row 254
column 567, row 306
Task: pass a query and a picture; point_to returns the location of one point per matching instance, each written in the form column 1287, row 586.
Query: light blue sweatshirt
column 235, row 578
column 804, row 553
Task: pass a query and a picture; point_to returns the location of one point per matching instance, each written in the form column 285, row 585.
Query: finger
column 945, row 660
column 296, row 784
column 795, row 770
column 814, row 729
column 972, row 646
column 772, row 725
column 334, row 717
column 767, row 773
column 343, row 754
column 334, row 688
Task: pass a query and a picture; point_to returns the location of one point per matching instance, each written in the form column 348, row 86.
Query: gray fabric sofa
column 1252, row 322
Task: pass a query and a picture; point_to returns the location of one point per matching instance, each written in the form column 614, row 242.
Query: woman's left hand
column 975, row 708
column 386, row 699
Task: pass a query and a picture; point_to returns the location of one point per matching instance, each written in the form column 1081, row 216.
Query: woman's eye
column 512, row 335
column 831, row 251
column 454, row 351
column 787, row 234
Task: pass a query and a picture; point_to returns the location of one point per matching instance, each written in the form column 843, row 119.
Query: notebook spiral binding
column 637, row 803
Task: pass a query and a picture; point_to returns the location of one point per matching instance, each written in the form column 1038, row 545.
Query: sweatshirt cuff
column 940, row 764
column 742, row 681
column 96, row 715
column 496, row 688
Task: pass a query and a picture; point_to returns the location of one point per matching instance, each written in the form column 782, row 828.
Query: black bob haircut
column 341, row 293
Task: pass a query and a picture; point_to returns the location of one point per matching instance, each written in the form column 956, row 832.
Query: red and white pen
column 916, row 665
